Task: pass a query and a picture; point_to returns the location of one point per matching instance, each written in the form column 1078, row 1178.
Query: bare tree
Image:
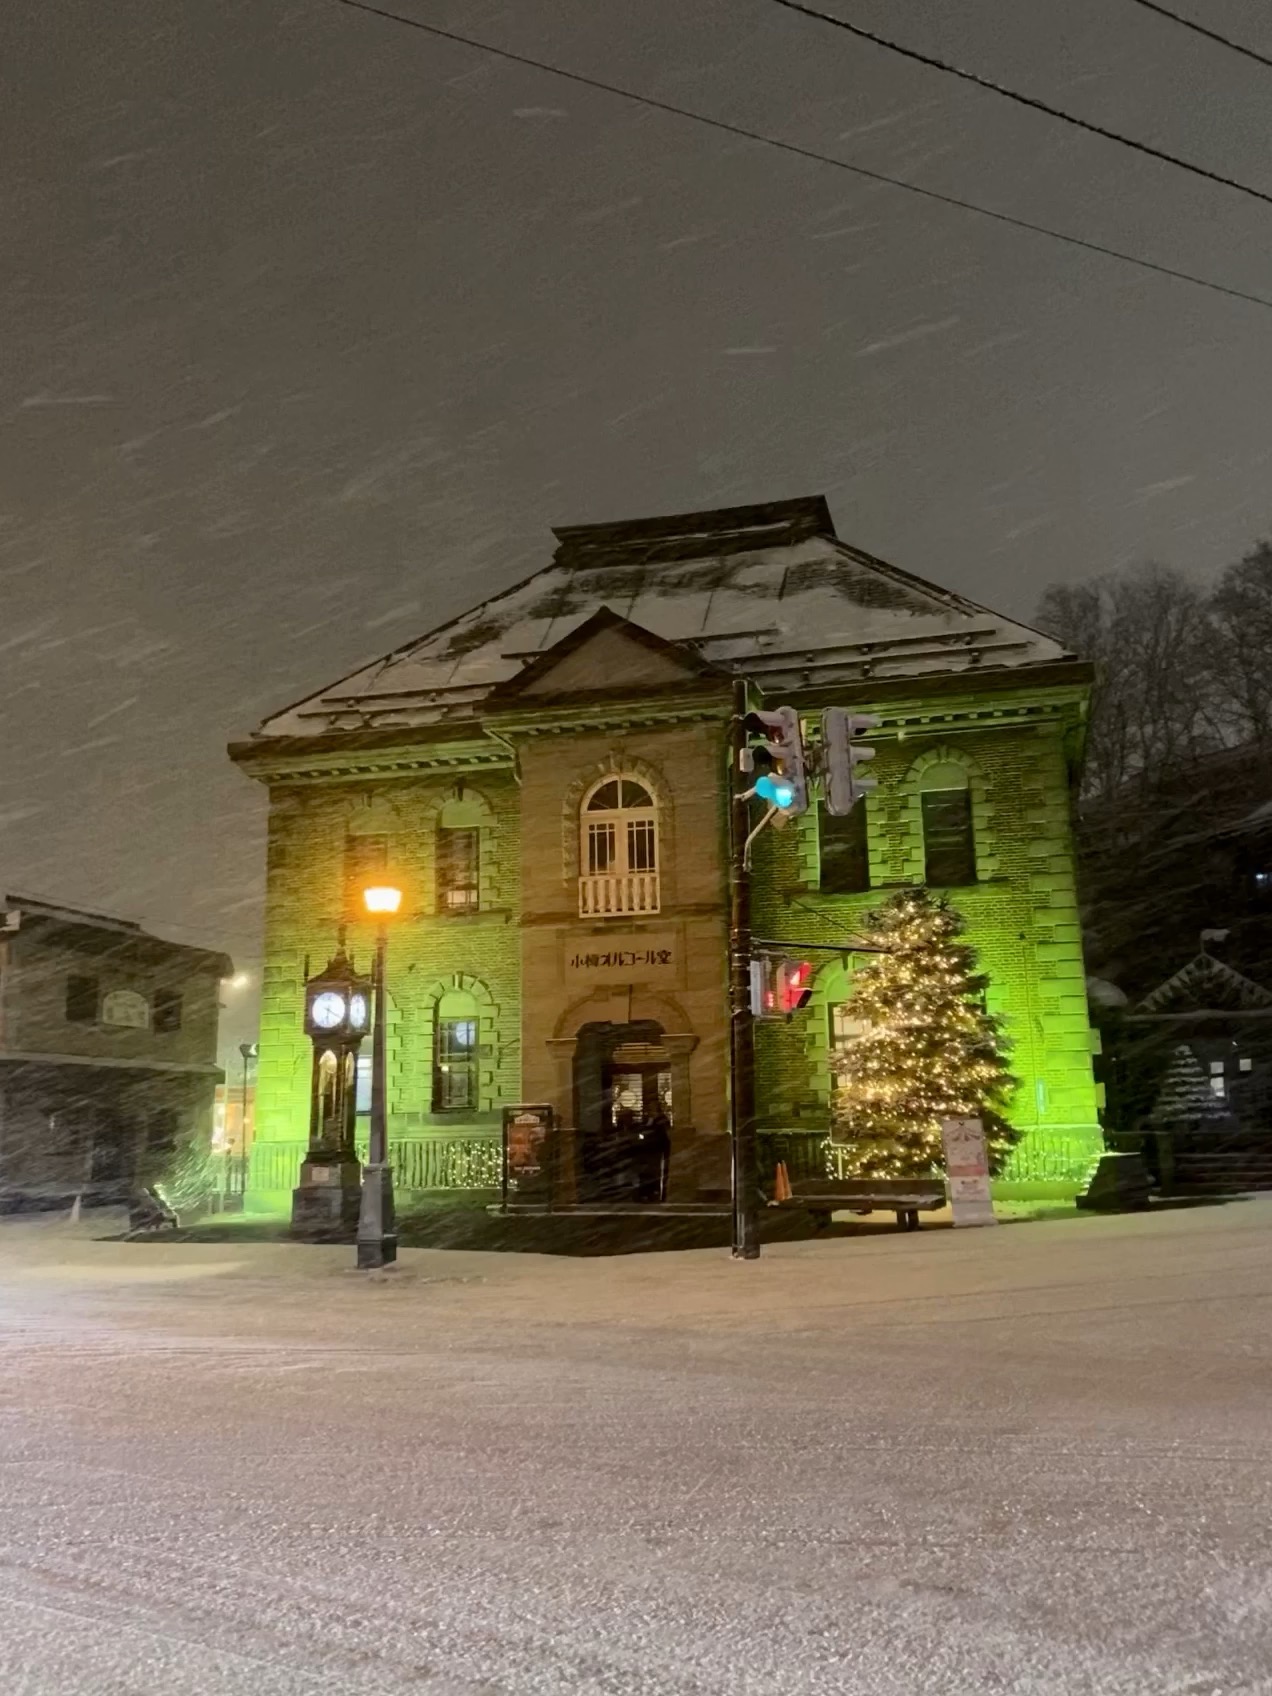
column 1241, row 613
column 1149, row 635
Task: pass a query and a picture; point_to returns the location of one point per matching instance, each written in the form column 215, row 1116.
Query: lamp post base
column 325, row 1204
column 377, row 1222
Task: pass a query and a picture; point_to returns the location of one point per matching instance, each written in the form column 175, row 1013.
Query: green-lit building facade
column 547, row 780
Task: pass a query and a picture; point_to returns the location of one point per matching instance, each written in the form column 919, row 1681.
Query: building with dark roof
column 547, row 778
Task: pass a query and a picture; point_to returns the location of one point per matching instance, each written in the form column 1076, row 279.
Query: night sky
column 313, row 325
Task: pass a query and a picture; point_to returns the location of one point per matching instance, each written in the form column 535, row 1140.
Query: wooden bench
column 906, row 1197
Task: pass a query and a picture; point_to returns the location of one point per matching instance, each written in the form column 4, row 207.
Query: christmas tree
column 1185, row 1094
column 927, row 1050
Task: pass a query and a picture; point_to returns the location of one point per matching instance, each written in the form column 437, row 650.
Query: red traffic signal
column 794, row 985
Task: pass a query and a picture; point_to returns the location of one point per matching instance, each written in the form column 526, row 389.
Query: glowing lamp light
column 775, row 790
column 382, row 899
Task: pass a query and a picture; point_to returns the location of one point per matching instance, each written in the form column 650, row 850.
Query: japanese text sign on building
column 967, row 1170
column 644, row 958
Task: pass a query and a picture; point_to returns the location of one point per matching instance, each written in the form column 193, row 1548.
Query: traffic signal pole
column 745, row 1152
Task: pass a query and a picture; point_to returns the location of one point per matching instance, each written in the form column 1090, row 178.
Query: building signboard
column 527, row 1171
column 967, row 1169
column 647, row 957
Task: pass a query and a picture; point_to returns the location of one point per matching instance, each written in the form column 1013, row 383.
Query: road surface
column 1034, row 1459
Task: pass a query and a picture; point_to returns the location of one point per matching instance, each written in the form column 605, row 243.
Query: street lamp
column 377, row 1226
column 248, row 1051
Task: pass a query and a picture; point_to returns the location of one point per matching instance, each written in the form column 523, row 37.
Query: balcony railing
column 613, row 894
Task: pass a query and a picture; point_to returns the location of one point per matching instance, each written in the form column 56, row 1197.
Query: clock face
column 328, row 1009
column 358, row 1012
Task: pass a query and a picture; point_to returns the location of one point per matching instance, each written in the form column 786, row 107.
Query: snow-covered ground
column 1037, row 1460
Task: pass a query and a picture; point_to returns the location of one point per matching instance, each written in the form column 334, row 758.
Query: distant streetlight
column 249, row 1052
column 377, row 1226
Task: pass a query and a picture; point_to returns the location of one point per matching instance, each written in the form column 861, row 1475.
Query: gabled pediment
column 1206, row 985
column 607, row 654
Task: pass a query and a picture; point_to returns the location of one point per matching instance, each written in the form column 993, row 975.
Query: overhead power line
column 1029, row 100
column 806, row 153
column 1200, row 29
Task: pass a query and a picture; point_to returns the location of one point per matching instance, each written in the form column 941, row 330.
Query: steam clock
column 337, row 1016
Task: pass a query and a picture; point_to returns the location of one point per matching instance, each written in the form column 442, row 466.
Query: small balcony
column 614, row 895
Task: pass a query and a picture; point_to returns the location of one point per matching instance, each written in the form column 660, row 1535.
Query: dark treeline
column 1181, row 670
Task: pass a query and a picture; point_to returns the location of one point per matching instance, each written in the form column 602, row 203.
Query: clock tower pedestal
column 337, row 1006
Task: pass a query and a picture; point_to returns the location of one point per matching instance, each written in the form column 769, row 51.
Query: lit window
column 455, row 1053
column 949, row 848
column 362, row 1085
column 844, row 1029
column 845, row 854
column 1217, row 1088
column 1244, row 1065
column 618, row 849
column 1216, row 1068
column 458, row 870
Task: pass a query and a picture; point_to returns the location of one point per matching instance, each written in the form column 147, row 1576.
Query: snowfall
column 1032, row 1459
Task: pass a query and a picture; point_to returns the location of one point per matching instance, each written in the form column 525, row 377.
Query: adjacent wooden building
column 107, row 1053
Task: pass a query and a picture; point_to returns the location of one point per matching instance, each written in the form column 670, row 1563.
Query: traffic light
column 779, row 987
column 842, row 784
column 777, row 741
column 793, row 986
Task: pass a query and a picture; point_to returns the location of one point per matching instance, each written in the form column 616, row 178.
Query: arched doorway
column 622, row 1089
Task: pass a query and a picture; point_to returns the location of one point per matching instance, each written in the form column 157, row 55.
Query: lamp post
column 248, row 1051
column 377, row 1226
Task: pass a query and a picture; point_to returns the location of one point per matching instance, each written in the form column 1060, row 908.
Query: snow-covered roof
column 1206, row 984
column 769, row 590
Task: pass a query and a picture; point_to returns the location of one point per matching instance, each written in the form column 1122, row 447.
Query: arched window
column 949, row 846
column 456, row 1037
column 618, row 849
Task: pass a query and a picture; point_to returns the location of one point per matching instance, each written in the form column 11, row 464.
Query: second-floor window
column 618, row 849
column 949, row 845
column 458, row 869
column 81, row 1000
column 167, row 1010
column 845, row 853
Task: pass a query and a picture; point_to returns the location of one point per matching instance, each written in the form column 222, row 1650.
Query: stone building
column 547, row 776
column 107, row 1052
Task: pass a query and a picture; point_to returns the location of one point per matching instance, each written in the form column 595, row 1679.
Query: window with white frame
column 456, row 1055
column 618, row 849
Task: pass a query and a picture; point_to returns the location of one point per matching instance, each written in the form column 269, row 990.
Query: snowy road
column 1031, row 1460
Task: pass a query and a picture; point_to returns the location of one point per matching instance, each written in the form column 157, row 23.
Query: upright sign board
column 527, row 1174
column 967, row 1168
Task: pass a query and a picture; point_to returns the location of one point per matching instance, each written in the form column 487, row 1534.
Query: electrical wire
column 809, row 153
column 1029, row 100
column 1200, row 29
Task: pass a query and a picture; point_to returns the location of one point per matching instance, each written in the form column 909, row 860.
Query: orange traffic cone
column 781, row 1183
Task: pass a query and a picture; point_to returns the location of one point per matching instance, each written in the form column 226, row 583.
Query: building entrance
column 622, row 1112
